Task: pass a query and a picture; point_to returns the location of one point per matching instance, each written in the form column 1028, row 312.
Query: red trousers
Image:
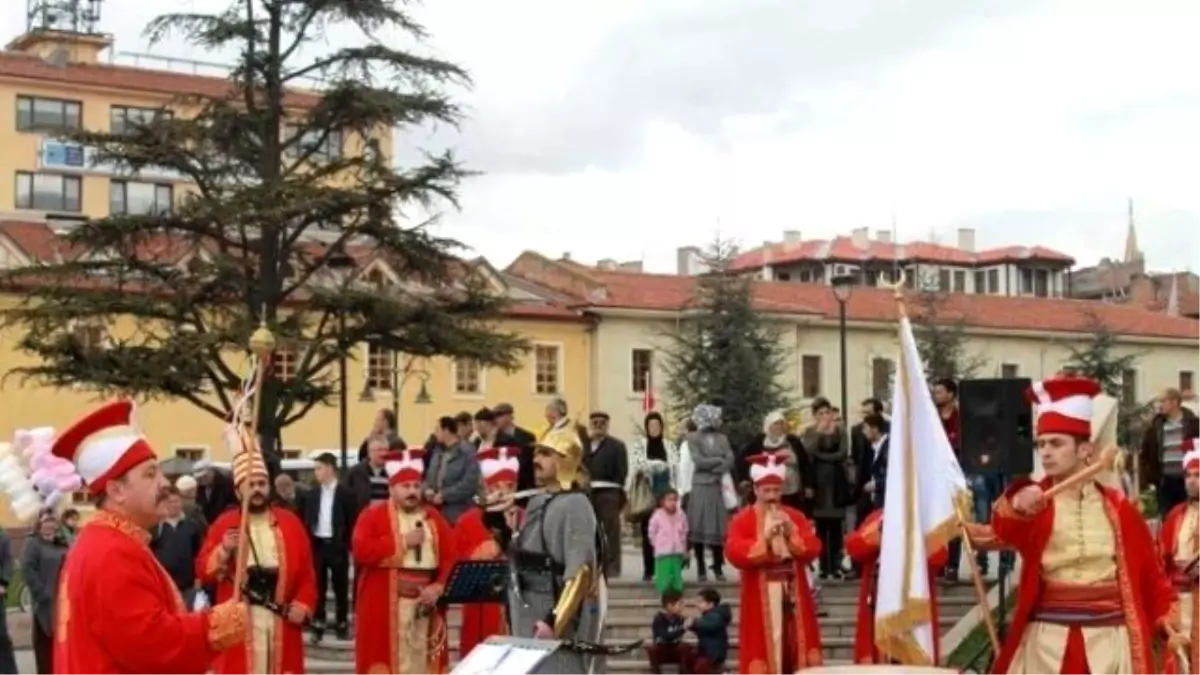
column 680, row 654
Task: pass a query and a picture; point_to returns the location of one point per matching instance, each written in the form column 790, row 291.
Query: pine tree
column 1098, row 359
column 942, row 339
column 723, row 352
column 276, row 172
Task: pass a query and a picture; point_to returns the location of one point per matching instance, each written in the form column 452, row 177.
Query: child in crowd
column 668, row 631
column 712, row 633
column 668, row 533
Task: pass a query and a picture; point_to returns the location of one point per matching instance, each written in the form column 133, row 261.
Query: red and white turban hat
column 1191, row 457
column 247, row 464
column 104, row 445
column 499, row 465
column 1064, row 405
column 767, row 468
column 404, row 466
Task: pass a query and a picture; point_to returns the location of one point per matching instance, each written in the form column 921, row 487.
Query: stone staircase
column 632, row 605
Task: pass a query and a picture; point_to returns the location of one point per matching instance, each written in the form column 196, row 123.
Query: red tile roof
column 42, row 245
column 627, row 290
column 843, row 249
column 17, row 65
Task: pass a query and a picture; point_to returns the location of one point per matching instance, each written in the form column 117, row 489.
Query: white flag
column 923, row 482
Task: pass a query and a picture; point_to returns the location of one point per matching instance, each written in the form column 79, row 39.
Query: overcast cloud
column 626, row 128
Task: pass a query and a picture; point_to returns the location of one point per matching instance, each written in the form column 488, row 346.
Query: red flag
column 648, row 395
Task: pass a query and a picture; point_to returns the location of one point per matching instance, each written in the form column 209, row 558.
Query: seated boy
column 668, row 647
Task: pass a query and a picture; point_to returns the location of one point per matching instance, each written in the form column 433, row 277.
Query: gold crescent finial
column 898, row 287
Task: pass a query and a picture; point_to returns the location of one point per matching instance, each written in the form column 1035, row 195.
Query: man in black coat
column 861, row 451
column 329, row 518
column 508, row 434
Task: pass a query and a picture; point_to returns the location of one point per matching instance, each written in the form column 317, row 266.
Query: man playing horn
column 555, row 557
column 404, row 551
column 280, row 583
column 484, row 533
column 118, row 609
column 1092, row 596
column 1179, row 545
column 772, row 544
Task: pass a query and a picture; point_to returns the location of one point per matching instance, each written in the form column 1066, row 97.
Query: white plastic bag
column 729, row 492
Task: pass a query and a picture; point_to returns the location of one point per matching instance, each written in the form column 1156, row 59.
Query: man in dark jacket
column 452, row 480
column 1161, row 455
column 607, row 463
column 215, row 492
column 176, row 542
column 508, row 434
column 864, row 459
column 384, row 425
column 329, row 518
column 824, row 442
column 367, row 481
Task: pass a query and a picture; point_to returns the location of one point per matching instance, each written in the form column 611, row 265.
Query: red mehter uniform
column 1092, row 595
column 278, row 544
column 476, row 541
column 862, row 546
column 395, row 633
column 118, row 611
column 774, row 570
column 1179, row 546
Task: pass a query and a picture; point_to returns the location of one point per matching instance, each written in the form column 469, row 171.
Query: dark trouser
column 329, row 561
column 647, row 548
column 702, row 666
column 607, row 504
column 829, row 530
column 718, row 559
column 43, row 648
column 8, row 660
column 1171, row 492
column 679, row 654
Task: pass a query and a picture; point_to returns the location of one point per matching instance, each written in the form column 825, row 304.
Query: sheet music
column 522, row 660
column 484, row 659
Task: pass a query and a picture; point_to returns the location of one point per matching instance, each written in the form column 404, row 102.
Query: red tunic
column 482, row 620
column 1147, row 598
column 119, row 612
column 747, row 550
column 378, row 554
column 1168, row 537
column 297, row 584
column 862, row 546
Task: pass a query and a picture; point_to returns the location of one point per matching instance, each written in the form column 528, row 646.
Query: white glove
column 200, row 602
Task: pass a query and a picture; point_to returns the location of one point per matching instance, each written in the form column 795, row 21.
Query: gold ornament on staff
column 262, row 344
column 959, row 512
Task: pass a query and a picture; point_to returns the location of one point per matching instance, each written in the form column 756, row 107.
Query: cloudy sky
column 627, row 128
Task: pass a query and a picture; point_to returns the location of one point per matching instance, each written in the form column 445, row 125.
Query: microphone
column 417, row 553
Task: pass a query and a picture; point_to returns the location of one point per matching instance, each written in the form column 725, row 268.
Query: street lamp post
column 842, row 285
column 340, row 262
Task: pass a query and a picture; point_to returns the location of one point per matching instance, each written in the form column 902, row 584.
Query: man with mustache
column 404, row 551
column 117, row 609
column 772, row 544
column 280, row 582
column 1179, row 545
column 484, row 533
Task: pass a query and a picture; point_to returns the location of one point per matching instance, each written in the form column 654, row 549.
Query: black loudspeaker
column 996, row 427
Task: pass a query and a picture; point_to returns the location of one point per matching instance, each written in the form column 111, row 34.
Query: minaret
column 1132, row 252
column 1173, row 298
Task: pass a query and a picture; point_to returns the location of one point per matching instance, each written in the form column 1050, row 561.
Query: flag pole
column 969, row 549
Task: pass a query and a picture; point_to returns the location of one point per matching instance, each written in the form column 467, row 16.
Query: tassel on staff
column 262, row 345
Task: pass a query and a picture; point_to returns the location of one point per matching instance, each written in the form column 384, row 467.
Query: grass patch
column 13, row 597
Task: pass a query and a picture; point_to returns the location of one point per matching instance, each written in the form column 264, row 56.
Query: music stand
column 506, row 655
column 476, row 581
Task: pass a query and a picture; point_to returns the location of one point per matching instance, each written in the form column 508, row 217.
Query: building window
column 379, row 368
column 48, row 192
column 881, row 378
column 285, row 361
column 468, row 377
column 311, row 140
column 806, row 276
column 980, row 281
column 191, row 454
column 910, row 276
column 545, row 369
column 123, row 118
column 810, row 375
column 1129, row 388
column 81, row 497
column 1009, row 371
column 960, row 281
column 90, row 337
column 642, row 365
column 1026, row 281
column 944, row 280
column 993, row 283
column 783, row 276
column 139, row 198
column 47, row 114
column 1187, row 380
column 290, row 453
column 1041, row 284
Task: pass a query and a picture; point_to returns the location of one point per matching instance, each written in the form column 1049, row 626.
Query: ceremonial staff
column 262, row 344
column 959, row 512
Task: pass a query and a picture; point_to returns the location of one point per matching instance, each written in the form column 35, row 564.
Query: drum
column 879, row 670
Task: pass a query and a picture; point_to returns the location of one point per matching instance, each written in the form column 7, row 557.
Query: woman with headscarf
column 655, row 458
column 711, row 459
column 776, row 438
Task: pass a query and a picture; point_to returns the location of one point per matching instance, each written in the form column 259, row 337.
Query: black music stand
column 476, row 581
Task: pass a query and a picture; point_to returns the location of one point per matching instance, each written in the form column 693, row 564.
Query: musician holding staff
column 280, row 584
column 1179, row 545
